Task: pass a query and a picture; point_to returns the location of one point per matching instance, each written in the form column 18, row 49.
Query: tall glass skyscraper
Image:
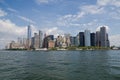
column 40, row 39
column 29, row 37
column 81, row 39
column 29, row 32
column 87, row 37
column 92, row 39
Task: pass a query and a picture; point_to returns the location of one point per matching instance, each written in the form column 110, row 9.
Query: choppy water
column 60, row 65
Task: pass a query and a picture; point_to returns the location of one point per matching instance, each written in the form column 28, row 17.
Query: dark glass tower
column 92, row 39
column 81, row 39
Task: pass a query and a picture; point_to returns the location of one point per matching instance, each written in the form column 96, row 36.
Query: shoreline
column 59, row 49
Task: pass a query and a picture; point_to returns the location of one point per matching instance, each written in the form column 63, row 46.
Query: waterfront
column 60, row 65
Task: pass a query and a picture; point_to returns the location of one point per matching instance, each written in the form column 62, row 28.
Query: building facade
column 93, row 39
column 81, row 39
column 103, row 37
column 28, row 37
column 87, row 37
column 40, row 39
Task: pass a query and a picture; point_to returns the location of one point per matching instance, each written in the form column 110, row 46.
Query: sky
column 58, row 17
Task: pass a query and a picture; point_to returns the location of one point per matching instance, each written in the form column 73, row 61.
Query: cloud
column 115, row 40
column 8, row 27
column 46, row 1
column 115, row 15
column 10, row 31
column 21, row 17
column 92, row 9
column 53, row 31
column 74, row 19
column 42, row 1
column 26, row 19
column 2, row 13
column 12, row 10
column 108, row 2
column 69, row 19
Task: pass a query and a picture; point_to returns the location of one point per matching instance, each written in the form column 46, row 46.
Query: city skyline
column 98, row 39
column 58, row 17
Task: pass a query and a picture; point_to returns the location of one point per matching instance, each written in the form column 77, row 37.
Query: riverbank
column 66, row 48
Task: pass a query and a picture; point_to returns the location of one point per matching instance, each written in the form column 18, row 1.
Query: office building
column 92, row 39
column 98, row 43
column 77, row 40
column 40, row 39
column 103, row 37
column 87, row 37
column 28, row 37
column 36, row 41
column 46, row 40
column 68, row 43
column 81, row 39
column 59, row 41
column 72, row 40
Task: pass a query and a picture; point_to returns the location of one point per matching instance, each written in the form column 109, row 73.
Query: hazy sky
column 58, row 17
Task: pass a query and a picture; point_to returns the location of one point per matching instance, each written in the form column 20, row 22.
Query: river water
column 60, row 65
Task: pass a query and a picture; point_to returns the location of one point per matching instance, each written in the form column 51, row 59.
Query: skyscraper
column 77, row 40
column 103, row 37
column 36, row 41
column 87, row 37
column 72, row 40
column 92, row 39
column 108, row 42
column 28, row 37
column 81, row 39
column 40, row 39
column 29, row 32
column 98, row 43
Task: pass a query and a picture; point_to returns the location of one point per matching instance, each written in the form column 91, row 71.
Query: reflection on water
column 60, row 65
column 114, row 63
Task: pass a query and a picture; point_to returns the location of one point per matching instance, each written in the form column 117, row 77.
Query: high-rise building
column 59, row 41
column 87, row 37
column 77, row 40
column 103, row 36
column 67, row 36
column 81, row 39
column 36, row 41
column 92, row 39
column 72, row 40
column 20, row 41
column 40, row 39
column 98, row 43
column 32, row 42
column 25, row 42
column 28, row 37
column 29, row 32
column 108, row 42
column 46, row 40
